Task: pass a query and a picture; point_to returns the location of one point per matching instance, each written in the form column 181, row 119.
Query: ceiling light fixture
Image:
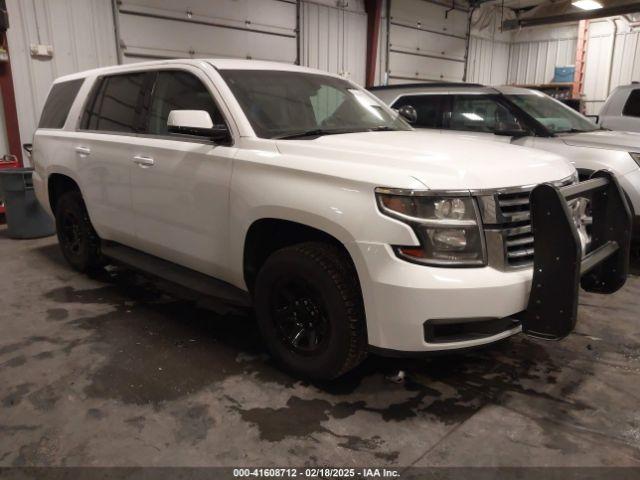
column 587, row 4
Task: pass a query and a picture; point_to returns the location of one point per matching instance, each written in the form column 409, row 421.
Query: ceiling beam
column 571, row 16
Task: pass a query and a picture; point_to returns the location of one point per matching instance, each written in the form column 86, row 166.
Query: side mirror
column 409, row 113
column 197, row 123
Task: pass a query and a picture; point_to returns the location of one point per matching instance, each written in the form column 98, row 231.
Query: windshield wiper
column 316, row 132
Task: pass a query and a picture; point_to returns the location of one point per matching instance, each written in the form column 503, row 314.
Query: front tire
column 309, row 308
column 79, row 242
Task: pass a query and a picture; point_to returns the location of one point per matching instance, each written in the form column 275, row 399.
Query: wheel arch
column 59, row 183
column 267, row 234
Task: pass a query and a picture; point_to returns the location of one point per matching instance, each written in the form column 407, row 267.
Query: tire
column 311, row 287
column 79, row 242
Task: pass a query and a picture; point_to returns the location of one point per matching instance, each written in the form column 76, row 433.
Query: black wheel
column 310, row 312
column 78, row 240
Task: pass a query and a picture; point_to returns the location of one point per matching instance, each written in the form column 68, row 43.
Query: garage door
column 258, row 29
column 427, row 42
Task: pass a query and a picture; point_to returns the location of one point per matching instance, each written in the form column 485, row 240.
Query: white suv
column 301, row 194
column 521, row 116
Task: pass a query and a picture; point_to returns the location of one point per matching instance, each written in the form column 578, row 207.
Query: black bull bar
column 560, row 267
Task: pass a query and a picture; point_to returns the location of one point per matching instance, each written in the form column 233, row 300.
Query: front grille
column 507, row 221
column 517, row 234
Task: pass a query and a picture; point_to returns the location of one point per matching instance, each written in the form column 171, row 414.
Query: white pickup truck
column 300, row 194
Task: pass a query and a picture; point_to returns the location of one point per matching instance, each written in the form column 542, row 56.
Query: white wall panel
column 334, row 39
column 381, row 57
column 535, row 52
column 488, row 58
column 81, row 33
column 610, row 62
column 488, row 61
column 259, row 29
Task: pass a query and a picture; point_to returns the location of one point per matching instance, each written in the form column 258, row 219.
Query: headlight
column 636, row 157
column 448, row 227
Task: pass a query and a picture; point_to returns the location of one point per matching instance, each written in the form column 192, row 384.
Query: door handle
column 143, row 161
column 83, row 150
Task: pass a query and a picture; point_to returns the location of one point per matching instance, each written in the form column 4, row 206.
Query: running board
column 185, row 277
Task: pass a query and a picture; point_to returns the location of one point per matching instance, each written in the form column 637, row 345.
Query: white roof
column 219, row 63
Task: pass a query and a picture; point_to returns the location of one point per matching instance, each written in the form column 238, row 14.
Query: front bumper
column 404, row 301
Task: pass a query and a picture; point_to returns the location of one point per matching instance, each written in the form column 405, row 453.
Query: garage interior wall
column 80, row 34
column 257, row 29
column 536, row 51
column 334, row 39
column 488, row 59
column 426, row 41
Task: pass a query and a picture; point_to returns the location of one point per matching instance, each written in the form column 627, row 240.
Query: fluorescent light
column 587, row 4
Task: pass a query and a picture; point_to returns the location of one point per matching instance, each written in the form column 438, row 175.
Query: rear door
column 103, row 148
column 180, row 191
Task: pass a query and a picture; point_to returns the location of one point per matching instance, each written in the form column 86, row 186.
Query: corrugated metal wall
column 334, row 39
column 535, row 52
column 81, row 34
column 427, row 42
column 488, row 60
column 610, row 62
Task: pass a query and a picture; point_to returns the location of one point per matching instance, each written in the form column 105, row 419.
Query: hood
column 402, row 159
column 610, row 140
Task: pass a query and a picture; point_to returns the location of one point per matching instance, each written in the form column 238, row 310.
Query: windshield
column 554, row 115
column 281, row 104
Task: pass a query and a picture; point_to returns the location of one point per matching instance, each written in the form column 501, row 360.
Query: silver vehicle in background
column 621, row 111
column 522, row 117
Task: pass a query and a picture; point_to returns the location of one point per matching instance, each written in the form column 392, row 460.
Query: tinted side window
column 632, row 107
column 481, row 113
column 56, row 108
column 428, row 107
column 116, row 104
column 175, row 90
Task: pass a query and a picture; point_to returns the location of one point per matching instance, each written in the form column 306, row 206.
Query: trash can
column 25, row 217
column 6, row 161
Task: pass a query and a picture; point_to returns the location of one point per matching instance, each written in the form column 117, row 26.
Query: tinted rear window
column 116, row 104
column 56, row 109
column 632, row 107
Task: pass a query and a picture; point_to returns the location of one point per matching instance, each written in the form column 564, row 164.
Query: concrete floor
column 112, row 372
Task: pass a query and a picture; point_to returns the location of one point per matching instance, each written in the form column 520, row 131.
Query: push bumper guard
column 560, row 268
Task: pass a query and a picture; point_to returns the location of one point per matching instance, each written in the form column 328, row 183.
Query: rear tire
column 79, row 242
column 309, row 308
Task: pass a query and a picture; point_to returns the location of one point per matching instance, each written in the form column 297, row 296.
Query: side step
column 185, row 277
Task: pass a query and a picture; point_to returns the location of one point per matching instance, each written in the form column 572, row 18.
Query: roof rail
column 426, row 85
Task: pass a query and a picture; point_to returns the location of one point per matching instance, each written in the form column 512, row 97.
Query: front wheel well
column 59, row 184
column 268, row 235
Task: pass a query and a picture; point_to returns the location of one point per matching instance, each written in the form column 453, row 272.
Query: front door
column 180, row 183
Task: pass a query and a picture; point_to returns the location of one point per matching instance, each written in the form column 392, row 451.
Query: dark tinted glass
column 116, row 104
column 281, row 103
column 481, row 113
column 59, row 103
column 176, row 90
column 428, row 107
column 632, row 107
